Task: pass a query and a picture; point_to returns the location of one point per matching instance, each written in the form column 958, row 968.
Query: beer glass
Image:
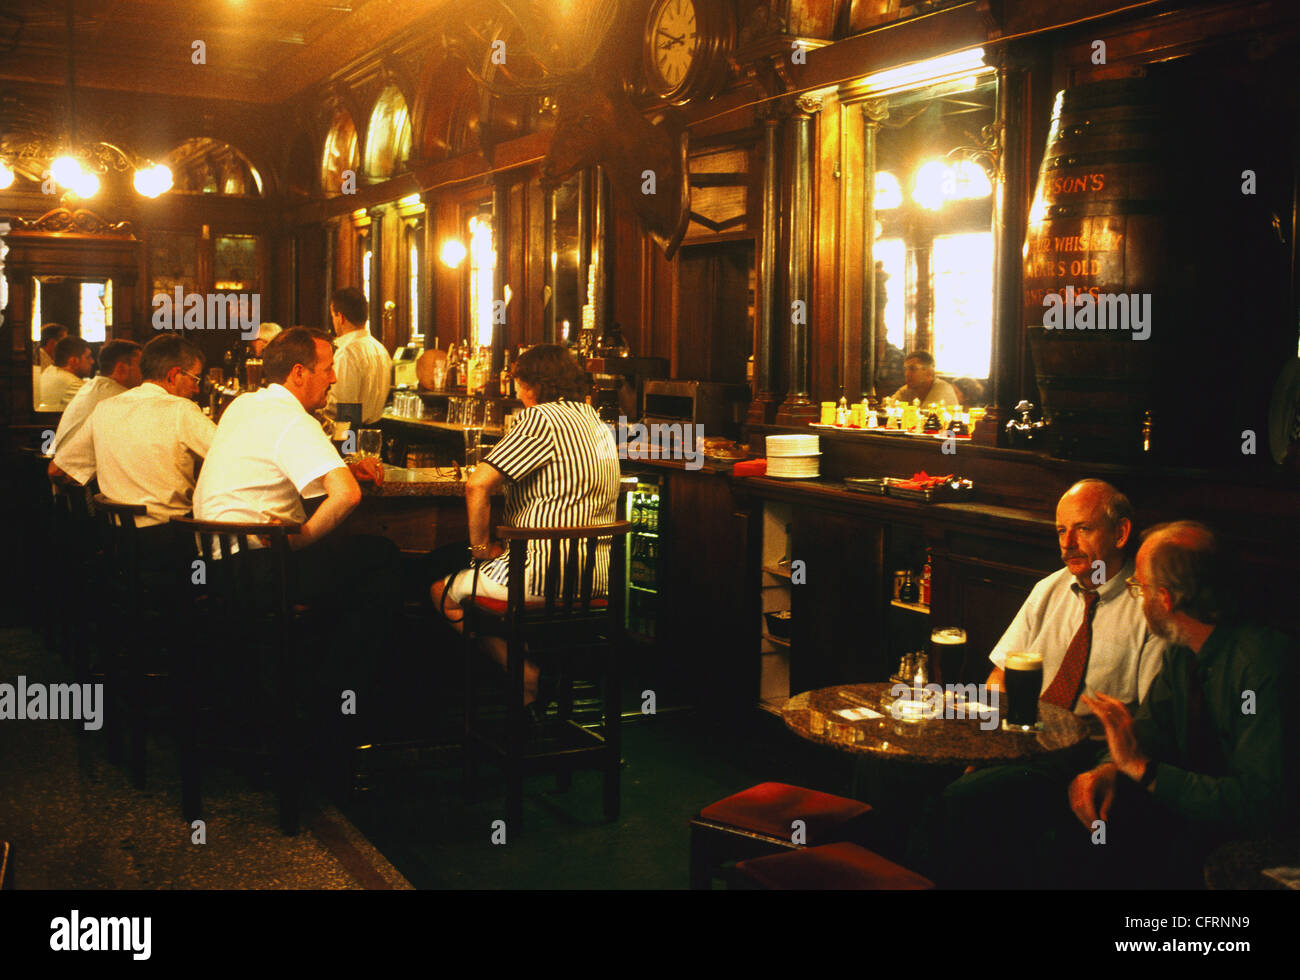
column 948, row 653
column 473, row 429
column 369, row 442
column 1023, row 682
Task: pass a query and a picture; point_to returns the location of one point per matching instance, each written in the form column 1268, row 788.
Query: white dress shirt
column 58, row 385
column 268, row 454
column 365, row 373
column 44, row 359
column 83, row 403
column 1125, row 655
column 143, row 445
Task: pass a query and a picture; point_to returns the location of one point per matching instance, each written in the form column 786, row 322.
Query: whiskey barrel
column 1101, row 226
column 1141, row 203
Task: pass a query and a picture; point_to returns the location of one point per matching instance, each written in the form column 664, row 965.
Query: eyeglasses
column 1134, row 586
column 197, row 379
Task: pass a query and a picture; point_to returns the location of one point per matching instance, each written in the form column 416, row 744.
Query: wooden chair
column 73, row 545
column 124, row 629
column 237, row 613
column 570, row 621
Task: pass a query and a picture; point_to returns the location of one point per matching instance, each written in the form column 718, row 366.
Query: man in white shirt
column 269, row 453
column 73, row 363
column 51, row 334
column 143, row 445
column 119, row 370
column 365, row 371
column 1085, row 608
column 999, row 824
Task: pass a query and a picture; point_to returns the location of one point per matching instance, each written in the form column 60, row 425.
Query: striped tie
column 1068, row 682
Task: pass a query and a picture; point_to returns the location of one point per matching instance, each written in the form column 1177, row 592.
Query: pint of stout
column 948, row 653
column 1024, row 682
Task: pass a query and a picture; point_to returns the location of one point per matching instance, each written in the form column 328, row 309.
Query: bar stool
column 760, row 821
column 122, row 622
column 571, row 621
column 841, row 866
column 238, row 615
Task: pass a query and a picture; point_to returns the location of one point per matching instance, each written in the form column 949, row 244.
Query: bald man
column 1211, row 752
column 994, row 827
column 1090, row 632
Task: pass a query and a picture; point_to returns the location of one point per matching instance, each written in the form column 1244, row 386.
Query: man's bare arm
column 342, row 494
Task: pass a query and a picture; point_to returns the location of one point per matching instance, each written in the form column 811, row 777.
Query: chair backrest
column 569, row 578
column 225, row 545
column 120, row 542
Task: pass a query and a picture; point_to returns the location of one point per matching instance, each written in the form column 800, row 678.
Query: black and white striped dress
column 562, row 464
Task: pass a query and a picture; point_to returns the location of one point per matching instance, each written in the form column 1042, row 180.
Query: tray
column 953, row 492
column 866, row 484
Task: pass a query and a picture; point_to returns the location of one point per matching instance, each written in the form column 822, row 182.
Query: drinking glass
column 369, row 442
column 472, row 425
column 1023, row 682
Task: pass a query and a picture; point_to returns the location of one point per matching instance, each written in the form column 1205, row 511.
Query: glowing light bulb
column 453, row 253
column 67, row 171
column 87, row 186
column 153, row 181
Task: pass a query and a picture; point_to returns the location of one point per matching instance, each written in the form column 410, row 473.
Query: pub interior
column 905, row 318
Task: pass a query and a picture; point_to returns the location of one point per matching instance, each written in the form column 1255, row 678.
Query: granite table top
column 949, row 740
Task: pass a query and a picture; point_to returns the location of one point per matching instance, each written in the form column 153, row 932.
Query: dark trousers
column 1012, row 827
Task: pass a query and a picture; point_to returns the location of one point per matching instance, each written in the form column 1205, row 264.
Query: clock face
column 675, row 37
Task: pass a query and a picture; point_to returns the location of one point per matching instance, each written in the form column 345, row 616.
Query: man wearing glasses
column 145, row 443
column 1210, row 753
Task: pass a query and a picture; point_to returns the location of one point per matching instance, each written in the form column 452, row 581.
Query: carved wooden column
column 763, row 406
column 500, row 242
column 1011, row 152
column 874, row 112
column 798, row 408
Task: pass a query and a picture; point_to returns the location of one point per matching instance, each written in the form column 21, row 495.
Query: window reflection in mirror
column 931, row 246
column 84, row 305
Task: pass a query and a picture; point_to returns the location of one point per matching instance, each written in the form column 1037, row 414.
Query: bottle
column 925, row 579
column 842, row 410
column 909, row 592
column 453, row 366
column 505, row 374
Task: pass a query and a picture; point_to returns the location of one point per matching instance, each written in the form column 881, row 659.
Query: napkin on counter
column 750, row 467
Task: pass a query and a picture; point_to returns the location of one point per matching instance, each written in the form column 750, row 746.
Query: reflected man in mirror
column 119, row 370
column 74, row 362
column 918, row 369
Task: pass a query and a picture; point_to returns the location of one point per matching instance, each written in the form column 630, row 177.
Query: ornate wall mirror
column 928, row 269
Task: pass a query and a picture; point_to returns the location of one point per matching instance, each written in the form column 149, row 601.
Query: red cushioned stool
column 759, row 821
column 842, row 866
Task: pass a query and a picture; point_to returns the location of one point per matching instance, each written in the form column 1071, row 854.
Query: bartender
column 922, row 385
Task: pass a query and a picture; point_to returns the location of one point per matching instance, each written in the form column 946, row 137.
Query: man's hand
column 367, row 469
column 1120, row 739
column 1092, row 792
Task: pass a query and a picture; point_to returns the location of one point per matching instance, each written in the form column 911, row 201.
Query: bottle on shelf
column 842, row 410
column 505, row 374
column 925, row 579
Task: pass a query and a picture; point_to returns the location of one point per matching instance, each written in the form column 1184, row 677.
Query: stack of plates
column 794, row 457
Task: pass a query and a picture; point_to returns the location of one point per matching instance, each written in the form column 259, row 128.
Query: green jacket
column 1250, row 782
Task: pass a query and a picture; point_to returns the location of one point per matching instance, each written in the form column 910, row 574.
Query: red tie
column 1068, row 682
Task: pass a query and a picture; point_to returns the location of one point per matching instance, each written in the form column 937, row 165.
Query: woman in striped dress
column 560, row 468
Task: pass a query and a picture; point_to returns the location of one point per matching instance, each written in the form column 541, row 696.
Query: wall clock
column 686, row 46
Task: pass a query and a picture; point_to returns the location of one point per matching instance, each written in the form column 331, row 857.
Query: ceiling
column 255, row 50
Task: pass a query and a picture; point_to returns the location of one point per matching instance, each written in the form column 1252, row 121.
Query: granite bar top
column 426, row 481
column 813, row 715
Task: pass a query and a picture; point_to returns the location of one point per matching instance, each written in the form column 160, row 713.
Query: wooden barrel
column 1099, row 249
column 1144, row 203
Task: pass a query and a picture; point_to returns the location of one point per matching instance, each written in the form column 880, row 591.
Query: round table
column 813, row 715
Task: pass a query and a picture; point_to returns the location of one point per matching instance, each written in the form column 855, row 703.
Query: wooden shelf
column 915, row 607
column 777, row 570
column 776, row 639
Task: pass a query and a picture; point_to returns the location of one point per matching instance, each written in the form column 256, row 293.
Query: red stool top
column 829, row 867
column 771, row 808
